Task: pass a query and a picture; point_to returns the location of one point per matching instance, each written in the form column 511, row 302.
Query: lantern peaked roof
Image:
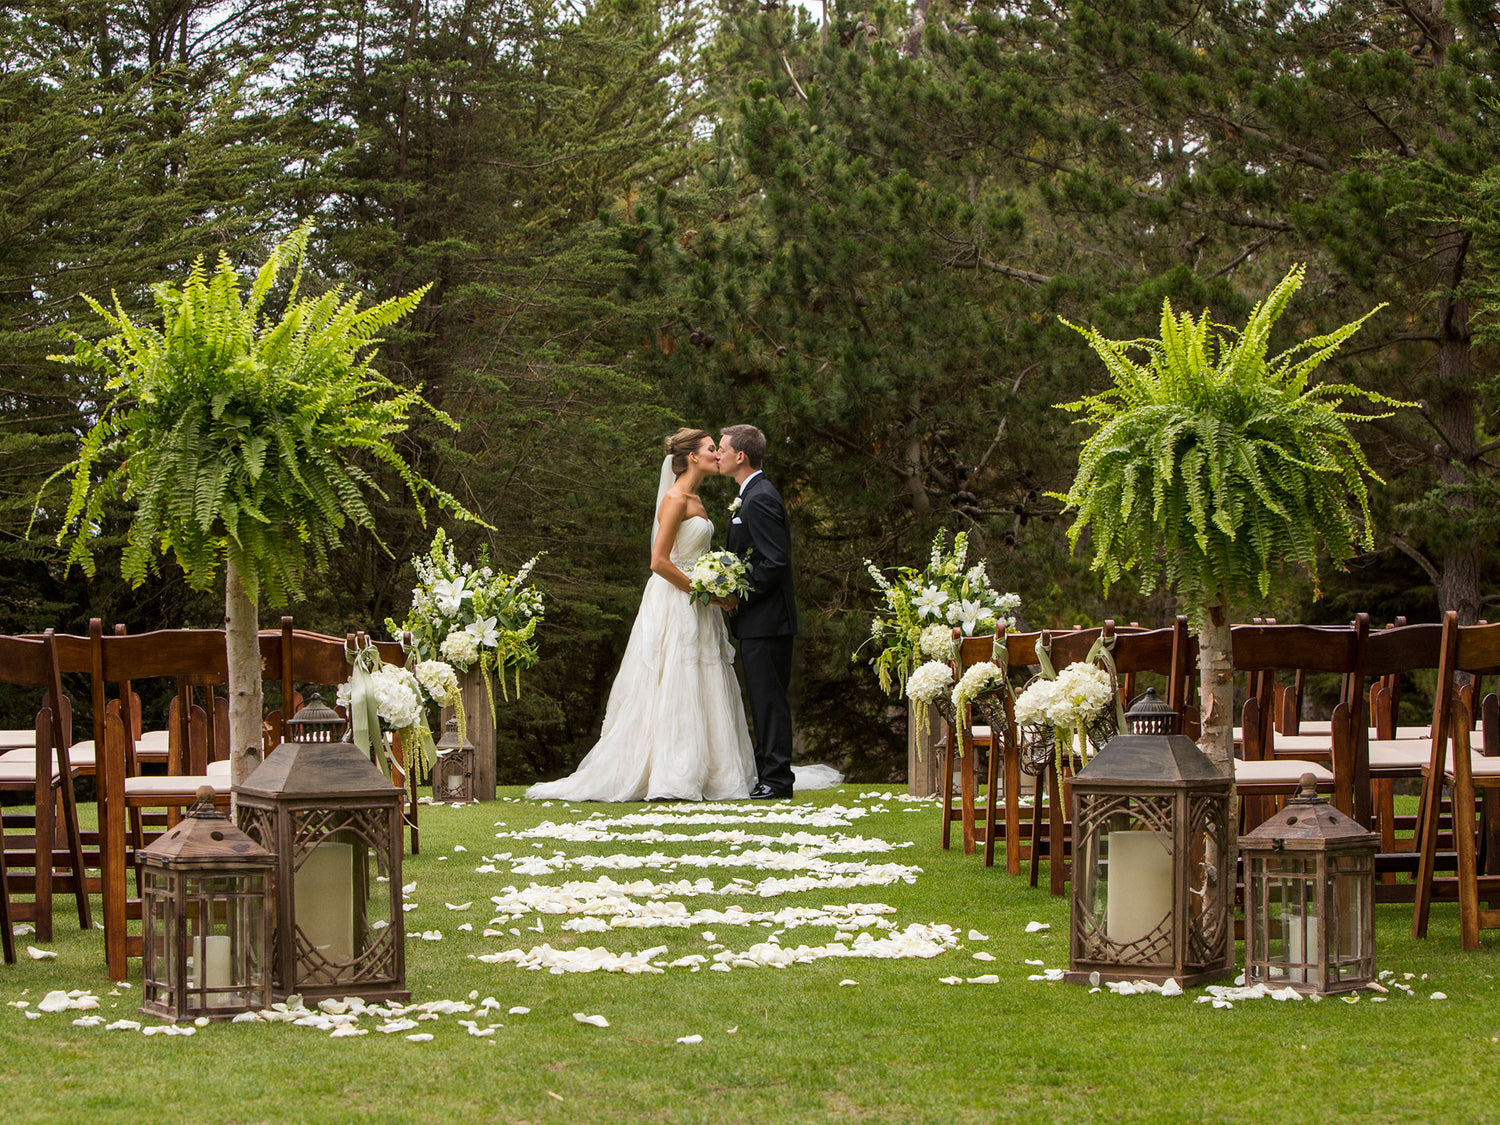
column 1151, row 760
column 317, row 770
column 204, row 836
column 1308, row 822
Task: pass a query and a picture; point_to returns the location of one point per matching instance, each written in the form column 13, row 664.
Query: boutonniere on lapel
column 734, row 507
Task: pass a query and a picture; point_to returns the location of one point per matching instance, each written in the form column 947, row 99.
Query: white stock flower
column 930, row 682
column 461, row 648
column 440, row 682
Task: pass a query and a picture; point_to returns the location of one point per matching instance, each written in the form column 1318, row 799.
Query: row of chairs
column 144, row 778
column 1359, row 755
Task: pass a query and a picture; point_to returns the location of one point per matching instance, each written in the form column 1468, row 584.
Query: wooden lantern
column 206, row 891
column 1152, row 883
column 1310, row 898
column 453, row 772
column 334, row 821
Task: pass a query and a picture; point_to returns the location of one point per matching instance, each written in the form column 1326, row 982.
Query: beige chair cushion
column 1281, row 771
column 1400, row 755
column 22, row 771
column 81, row 757
column 218, row 773
column 166, row 787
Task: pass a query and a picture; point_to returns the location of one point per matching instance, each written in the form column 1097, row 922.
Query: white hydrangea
column 397, row 697
column 936, row 642
column 976, row 681
column 440, row 682
column 930, row 682
column 1034, row 704
column 1076, row 698
column 460, row 648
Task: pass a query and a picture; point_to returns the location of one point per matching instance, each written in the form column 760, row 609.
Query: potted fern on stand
column 1212, row 468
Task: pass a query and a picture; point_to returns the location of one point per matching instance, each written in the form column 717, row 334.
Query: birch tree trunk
column 242, row 644
column 1216, row 683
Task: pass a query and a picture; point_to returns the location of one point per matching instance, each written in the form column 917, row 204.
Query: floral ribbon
column 364, row 710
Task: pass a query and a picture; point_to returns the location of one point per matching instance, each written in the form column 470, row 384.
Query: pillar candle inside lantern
column 1140, row 886
column 216, row 972
column 325, row 901
column 1302, row 937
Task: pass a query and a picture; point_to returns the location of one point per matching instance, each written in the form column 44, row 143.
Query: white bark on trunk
column 1216, row 684
column 242, row 642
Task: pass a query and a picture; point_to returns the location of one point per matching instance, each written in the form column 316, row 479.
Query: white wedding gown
column 674, row 728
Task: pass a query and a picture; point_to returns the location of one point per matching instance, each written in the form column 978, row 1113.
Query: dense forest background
column 858, row 233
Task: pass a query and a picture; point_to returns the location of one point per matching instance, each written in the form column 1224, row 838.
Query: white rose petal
column 690, row 1039
column 595, row 1021
column 1038, row 927
column 420, row 1037
column 39, row 954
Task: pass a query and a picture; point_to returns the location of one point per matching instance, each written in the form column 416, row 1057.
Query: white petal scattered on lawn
column 460, row 906
column 846, row 980
column 735, row 1030
column 950, row 980
column 347, row 1031
column 975, row 935
column 1438, row 996
column 690, row 1039
column 987, row 978
column 432, row 935
column 88, row 1021
column 21, row 929
column 128, row 1025
column 984, row 956
column 420, row 1037
column 39, row 954
column 519, row 1011
column 1038, row 927
column 467, row 927
column 594, row 1021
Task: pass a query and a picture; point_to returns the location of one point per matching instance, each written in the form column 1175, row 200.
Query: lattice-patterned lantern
column 1310, row 898
column 206, row 891
column 334, row 821
column 1152, row 882
column 453, row 772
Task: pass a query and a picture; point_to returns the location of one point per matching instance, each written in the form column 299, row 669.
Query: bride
column 674, row 727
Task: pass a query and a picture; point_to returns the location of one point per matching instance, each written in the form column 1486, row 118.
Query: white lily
column 450, row 595
column 485, row 631
column 930, row 602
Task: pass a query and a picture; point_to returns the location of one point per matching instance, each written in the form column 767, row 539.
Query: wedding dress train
column 674, row 727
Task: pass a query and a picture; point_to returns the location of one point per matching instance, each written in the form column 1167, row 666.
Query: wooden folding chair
column 1262, row 777
column 180, row 655
column 961, row 747
column 45, row 774
column 1472, row 650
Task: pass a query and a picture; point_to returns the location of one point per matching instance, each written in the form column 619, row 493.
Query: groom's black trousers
column 767, row 662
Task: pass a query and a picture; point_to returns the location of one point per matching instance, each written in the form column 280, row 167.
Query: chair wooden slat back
column 33, row 662
column 1268, row 648
column 1390, row 654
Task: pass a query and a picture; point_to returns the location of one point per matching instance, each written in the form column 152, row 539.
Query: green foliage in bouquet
column 919, row 608
column 470, row 615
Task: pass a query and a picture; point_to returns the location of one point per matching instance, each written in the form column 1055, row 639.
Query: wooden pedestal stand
column 480, row 723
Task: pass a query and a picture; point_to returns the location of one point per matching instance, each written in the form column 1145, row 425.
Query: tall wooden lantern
column 1310, row 898
column 334, row 821
column 453, row 771
column 206, row 891
column 1152, row 884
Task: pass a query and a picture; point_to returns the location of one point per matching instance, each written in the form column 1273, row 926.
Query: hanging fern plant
column 1212, row 468
column 242, row 439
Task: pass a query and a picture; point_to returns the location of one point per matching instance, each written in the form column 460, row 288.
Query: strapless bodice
column 694, row 536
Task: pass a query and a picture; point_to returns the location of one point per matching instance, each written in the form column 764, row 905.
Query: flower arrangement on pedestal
column 471, row 616
column 920, row 608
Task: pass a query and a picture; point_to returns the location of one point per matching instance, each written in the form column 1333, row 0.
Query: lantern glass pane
column 1136, row 877
column 1293, row 927
column 1351, row 943
column 158, row 947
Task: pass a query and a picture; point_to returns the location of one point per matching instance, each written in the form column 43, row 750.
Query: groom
column 765, row 620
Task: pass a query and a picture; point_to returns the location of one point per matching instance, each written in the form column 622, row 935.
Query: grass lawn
column 897, row 1046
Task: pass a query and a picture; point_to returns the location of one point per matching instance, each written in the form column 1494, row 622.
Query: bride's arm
column 669, row 519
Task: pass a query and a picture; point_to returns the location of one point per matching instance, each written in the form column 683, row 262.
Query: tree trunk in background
column 242, row 643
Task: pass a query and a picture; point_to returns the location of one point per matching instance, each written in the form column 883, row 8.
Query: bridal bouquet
column 718, row 574
column 469, row 615
column 920, row 608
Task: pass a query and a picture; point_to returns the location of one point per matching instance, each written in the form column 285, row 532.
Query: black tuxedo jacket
column 761, row 528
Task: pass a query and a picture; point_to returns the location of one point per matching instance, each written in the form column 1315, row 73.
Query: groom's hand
column 731, row 604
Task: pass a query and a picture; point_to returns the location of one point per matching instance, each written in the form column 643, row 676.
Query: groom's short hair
column 749, row 441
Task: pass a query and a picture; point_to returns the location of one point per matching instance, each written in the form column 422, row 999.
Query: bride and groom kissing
column 674, row 726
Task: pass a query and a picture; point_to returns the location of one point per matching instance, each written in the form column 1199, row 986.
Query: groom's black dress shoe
column 766, row 793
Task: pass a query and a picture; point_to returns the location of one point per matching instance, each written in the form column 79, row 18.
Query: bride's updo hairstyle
column 680, row 444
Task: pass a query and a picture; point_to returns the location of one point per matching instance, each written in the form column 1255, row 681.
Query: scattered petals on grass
column 690, row 1039
column 39, row 954
column 594, row 1021
column 1038, row 927
column 420, row 1037
column 975, row 935
column 846, row 980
